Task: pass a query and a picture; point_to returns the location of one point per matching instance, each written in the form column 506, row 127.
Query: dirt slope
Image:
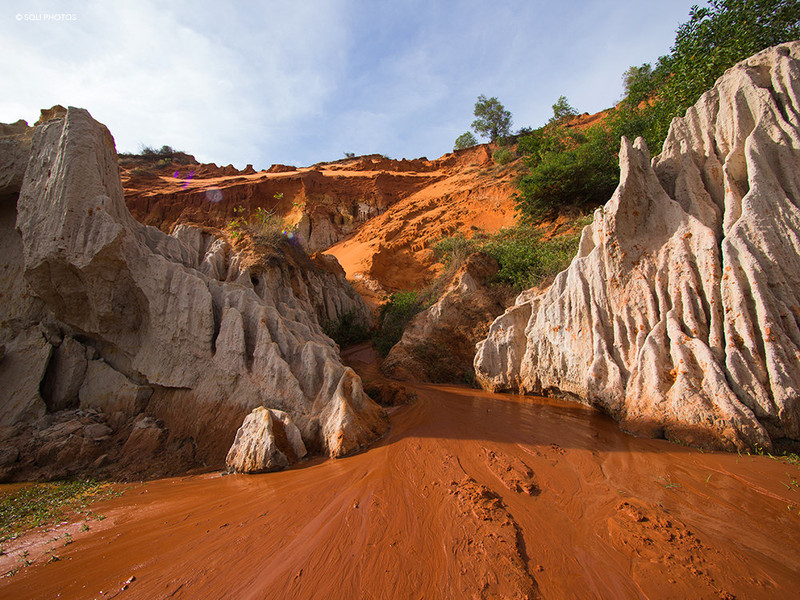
column 393, row 249
column 472, row 495
column 379, row 215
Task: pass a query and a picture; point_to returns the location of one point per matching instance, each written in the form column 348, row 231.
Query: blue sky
column 306, row 81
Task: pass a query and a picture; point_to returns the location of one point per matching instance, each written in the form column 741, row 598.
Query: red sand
column 471, row 495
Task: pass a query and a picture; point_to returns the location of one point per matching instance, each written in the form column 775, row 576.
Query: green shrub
column 454, row 249
column 347, row 330
column 525, row 259
column 502, row 156
column 393, row 317
column 263, row 225
column 566, row 169
column 266, row 226
column 465, row 140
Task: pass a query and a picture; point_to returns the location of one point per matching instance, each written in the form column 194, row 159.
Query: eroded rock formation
column 680, row 315
column 438, row 344
column 110, row 318
column 266, row 441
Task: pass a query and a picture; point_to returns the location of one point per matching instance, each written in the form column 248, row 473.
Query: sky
column 305, row 81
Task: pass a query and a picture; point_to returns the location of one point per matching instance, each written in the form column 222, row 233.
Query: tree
column 562, row 110
column 637, row 83
column 465, row 140
column 720, row 35
column 493, row 120
column 714, row 38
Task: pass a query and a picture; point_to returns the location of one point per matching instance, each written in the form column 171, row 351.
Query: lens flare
column 214, row 195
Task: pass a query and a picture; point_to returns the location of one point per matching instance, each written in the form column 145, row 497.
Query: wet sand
column 470, row 495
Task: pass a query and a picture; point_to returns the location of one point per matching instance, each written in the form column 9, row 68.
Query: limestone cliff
column 680, row 315
column 106, row 316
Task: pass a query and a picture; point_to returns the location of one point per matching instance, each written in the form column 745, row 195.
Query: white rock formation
column 266, row 441
column 680, row 315
column 177, row 326
column 437, row 345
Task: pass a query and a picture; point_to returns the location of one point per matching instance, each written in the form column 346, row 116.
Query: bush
column 347, row 330
column 267, row 227
column 502, row 156
column 263, row 225
column 567, row 169
column 465, row 140
column 525, row 259
column 393, row 318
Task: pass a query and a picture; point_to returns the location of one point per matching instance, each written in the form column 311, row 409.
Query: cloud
column 304, row 81
column 184, row 76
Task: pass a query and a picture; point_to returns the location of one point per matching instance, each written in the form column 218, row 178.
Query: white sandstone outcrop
column 437, row 345
column 178, row 326
column 680, row 315
column 266, row 441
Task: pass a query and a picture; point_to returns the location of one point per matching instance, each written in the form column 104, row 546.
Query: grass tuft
column 40, row 504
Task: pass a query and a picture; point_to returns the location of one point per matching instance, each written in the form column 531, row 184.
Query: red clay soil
column 394, row 248
column 471, row 495
column 407, row 205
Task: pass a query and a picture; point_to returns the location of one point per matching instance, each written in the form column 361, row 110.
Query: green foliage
column 492, row 118
column 465, row 140
column 525, row 259
column 151, row 152
column 393, row 317
column 567, row 168
column 720, row 35
column 637, row 83
column 265, row 226
column 502, row 156
column 347, row 330
column 39, row 504
column 562, row 110
column 713, row 39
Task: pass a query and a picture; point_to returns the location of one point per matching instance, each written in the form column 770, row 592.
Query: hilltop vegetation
column 567, row 167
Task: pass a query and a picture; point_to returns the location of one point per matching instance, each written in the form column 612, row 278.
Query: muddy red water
column 471, row 495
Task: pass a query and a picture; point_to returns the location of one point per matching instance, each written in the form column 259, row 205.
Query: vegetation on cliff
column 570, row 167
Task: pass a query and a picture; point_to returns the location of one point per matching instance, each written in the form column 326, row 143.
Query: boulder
column 96, row 431
column 266, row 441
column 680, row 314
column 146, row 438
column 65, row 375
column 21, row 371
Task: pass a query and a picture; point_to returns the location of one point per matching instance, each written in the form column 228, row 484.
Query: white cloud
column 304, row 81
column 159, row 75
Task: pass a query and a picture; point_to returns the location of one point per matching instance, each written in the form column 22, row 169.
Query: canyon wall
column 167, row 341
column 680, row 314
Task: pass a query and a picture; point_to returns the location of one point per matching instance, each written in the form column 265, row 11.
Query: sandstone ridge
column 168, row 341
column 680, row 314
